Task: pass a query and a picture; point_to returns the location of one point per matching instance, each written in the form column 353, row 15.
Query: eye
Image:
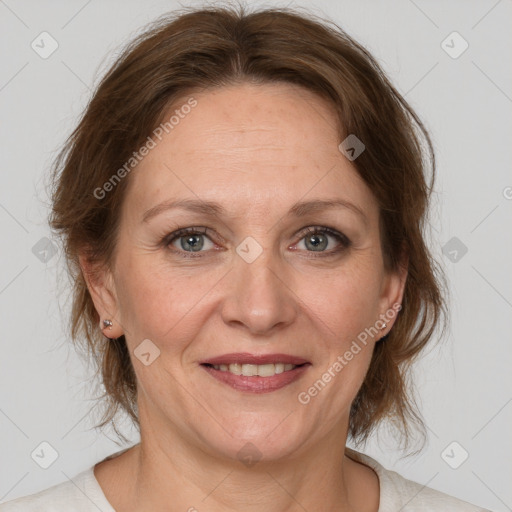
column 190, row 240
column 316, row 239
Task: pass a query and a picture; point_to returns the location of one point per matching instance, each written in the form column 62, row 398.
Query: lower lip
column 257, row 384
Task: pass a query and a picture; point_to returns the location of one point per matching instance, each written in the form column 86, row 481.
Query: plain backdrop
column 464, row 95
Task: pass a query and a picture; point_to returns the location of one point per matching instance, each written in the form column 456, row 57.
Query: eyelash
column 345, row 243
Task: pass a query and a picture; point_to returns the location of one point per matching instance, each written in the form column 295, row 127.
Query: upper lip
column 246, row 358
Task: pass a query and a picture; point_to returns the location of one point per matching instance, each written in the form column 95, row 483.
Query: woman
column 242, row 208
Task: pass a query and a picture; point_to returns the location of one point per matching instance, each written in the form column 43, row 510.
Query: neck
column 166, row 469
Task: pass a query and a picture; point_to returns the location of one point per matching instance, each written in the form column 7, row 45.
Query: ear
column 392, row 293
column 100, row 284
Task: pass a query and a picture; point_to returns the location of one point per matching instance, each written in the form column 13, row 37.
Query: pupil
column 317, row 241
column 193, row 242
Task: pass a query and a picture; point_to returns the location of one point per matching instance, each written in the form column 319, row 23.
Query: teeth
column 252, row 370
column 234, row 368
column 249, row 370
column 266, row 370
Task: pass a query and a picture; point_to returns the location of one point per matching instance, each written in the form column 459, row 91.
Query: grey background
column 466, row 103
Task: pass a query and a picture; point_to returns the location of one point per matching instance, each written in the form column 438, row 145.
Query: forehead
column 249, row 145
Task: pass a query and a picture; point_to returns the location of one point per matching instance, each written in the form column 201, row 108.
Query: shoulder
column 398, row 493
column 82, row 492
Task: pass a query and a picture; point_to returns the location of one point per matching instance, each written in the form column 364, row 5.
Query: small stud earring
column 107, row 323
column 384, row 325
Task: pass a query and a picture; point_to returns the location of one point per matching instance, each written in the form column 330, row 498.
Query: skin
column 256, row 150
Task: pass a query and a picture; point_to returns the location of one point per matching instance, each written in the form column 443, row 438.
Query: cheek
column 347, row 305
column 349, row 309
column 160, row 302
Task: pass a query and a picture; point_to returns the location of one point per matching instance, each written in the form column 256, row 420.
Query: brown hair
column 212, row 47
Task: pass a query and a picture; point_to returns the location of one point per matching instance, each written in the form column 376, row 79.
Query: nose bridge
column 258, row 297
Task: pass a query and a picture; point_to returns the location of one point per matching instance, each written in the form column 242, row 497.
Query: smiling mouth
column 256, row 378
column 255, row 370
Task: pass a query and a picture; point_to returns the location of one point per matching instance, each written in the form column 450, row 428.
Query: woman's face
column 252, row 282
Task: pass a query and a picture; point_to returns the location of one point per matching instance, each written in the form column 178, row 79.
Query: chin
column 256, row 438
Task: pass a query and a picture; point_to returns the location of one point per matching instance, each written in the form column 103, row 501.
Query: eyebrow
column 299, row 209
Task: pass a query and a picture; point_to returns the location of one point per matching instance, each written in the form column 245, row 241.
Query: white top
column 85, row 494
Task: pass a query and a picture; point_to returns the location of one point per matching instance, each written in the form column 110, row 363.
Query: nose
column 260, row 296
